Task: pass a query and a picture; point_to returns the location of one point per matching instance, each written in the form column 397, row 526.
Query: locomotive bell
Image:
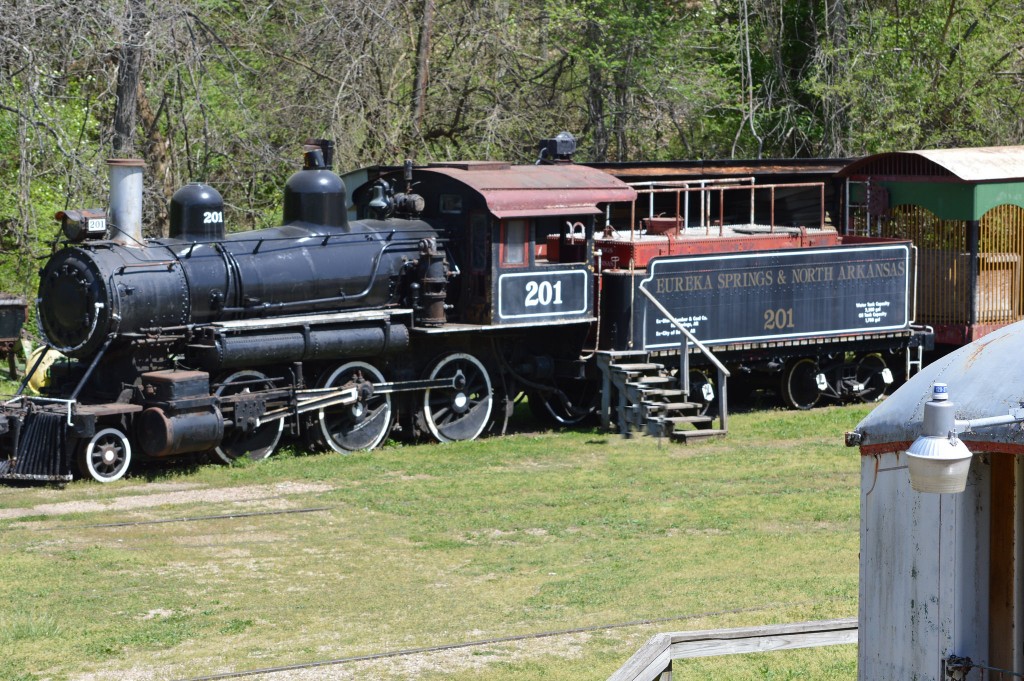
column 197, row 213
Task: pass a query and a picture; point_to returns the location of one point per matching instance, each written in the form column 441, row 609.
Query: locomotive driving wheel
column 257, row 442
column 361, row 425
column 106, row 456
column 463, row 411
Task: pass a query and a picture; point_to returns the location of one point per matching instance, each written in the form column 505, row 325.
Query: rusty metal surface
column 985, row 378
column 520, row 191
column 724, row 168
column 978, row 164
column 641, row 248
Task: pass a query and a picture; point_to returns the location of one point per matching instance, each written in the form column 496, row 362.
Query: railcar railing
column 707, row 189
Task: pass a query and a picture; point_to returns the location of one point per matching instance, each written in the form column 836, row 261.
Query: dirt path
column 189, row 495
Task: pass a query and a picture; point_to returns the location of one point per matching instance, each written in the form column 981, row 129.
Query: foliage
column 228, row 91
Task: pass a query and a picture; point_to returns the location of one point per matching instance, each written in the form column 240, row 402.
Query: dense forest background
column 225, row 91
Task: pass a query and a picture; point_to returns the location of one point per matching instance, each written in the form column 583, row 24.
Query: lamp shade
column 938, row 464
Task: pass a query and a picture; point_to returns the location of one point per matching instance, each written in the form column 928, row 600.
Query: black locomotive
column 429, row 312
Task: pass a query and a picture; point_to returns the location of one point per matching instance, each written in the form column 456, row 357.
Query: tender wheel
column 871, row 373
column 799, row 384
column 702, row 392
column 106, row 457
column 261, row 441
column 361, row 425
column 463, row 411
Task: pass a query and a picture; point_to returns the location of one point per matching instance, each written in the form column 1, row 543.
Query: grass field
column 421, row 546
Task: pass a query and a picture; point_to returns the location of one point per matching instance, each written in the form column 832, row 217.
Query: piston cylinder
column 193, row 431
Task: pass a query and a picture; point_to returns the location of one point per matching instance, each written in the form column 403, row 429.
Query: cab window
column 514, row 237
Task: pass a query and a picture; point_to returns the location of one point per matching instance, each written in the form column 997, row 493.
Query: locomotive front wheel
column 258, row 443
column 361, row 425
column 800, row 384
column 463, row 411
column 871, row 375
column 105, row 457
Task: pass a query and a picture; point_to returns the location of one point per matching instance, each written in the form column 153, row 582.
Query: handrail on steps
column 688, row 337
column 686, row 332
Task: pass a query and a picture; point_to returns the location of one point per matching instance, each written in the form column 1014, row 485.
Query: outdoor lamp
column 938, row 461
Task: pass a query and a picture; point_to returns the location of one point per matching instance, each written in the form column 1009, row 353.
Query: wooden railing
column 653, row 662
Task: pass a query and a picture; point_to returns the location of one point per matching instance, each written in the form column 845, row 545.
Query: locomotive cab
column 520, row 238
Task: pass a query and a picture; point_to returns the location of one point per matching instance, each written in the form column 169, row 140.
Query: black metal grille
column 41, row 449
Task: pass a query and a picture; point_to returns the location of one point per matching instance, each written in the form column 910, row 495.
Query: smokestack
column 126, row 200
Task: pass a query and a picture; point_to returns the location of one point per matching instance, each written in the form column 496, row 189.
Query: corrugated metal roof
column 985, row 378
column 978, row 164
column 519, row 191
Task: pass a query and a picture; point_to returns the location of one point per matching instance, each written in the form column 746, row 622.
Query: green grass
column 430, row 545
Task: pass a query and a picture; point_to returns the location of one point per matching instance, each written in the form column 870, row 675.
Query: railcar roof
column 985, row 379
column 977, row 164
column 526, row 191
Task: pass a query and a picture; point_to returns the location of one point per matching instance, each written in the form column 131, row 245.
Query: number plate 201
column 525, row 295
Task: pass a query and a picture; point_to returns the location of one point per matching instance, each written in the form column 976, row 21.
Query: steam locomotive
column 430, row 312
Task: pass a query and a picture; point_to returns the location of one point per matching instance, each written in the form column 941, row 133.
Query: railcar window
column 450, row 204
column 513, row 242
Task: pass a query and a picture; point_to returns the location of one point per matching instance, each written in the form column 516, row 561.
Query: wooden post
column 1004, row 569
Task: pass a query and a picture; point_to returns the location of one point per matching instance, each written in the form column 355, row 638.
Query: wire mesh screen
column 943, row 291
column 1000, row 252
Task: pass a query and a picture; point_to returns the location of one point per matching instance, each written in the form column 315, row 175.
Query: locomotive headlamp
column 561, row 147
column 938, row 461
column 79, row 225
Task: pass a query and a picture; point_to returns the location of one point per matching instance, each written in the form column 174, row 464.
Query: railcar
column 449, row 291
column 811, row 313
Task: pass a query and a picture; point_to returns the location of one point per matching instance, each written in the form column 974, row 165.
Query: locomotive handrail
column 686, row 332
column 322, row 301
column 169, row 264
column 723, row 373
column 69, row 404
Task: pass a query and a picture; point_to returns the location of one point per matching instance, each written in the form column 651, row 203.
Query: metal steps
column 641, row 396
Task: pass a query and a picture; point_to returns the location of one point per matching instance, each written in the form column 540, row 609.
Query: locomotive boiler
column 122, row 289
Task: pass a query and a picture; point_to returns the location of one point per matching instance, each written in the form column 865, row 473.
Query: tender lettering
column 683, row 283
column 746, row 279
column 875, row 270
column 811, row 275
